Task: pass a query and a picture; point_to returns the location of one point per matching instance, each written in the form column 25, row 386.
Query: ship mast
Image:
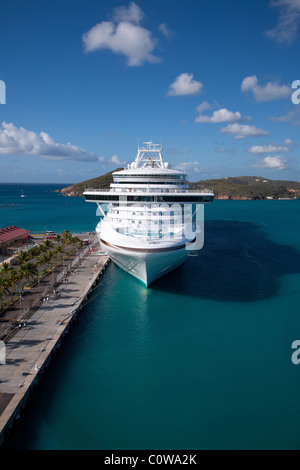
column 149, row 156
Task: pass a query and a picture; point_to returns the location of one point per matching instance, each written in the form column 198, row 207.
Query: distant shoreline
column 242, row 188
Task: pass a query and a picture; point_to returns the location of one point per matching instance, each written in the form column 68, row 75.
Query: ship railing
column 147, row 235
column 148, row 190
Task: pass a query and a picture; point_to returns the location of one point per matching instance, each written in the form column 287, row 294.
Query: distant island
column 238, row 188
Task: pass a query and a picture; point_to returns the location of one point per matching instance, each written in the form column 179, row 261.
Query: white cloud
column 116, row 160
column 288, row 142
column 249, row 83
column 267, row 149
column 288, row 22
column 132, row 13
column 203, row 107
column 165, row 30
column 268, row 92
column 123, row 36
column 243, row 130
column 184, row 85
column 276, row 163
column 189, row 166
column 221, row 115
column 17, row 140
column 285, row 118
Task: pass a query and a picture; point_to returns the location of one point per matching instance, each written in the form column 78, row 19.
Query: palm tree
column 57, row 238
column 43, row 259
column 13, row 278
column 33, row 252
column 5, row 268
column 47, row 244
column 67, row 237
column 28, row 270
column 4, row 288
column 51, row 255
column 59, row 250
column 43, row 248
column 4, row 285
column 36, row 250
column 30, row 254
column 22, row 257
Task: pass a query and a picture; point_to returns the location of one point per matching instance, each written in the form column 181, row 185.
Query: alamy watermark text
column 2, row 92
column 296, row 94
column 2, row 353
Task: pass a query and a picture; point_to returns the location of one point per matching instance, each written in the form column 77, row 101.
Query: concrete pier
column 29, row 350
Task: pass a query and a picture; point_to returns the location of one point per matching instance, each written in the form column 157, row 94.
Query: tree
column 47, row 244
column 59, row 250
column 43, row 259
column 33, row 252
column 4, row 287
column 5, row 268
column 13, row 278
column 67, row 237
column 22, row 257
column 52, row 255
column 28, row 270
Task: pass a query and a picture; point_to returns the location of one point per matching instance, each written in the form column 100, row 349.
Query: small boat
column 22, row 194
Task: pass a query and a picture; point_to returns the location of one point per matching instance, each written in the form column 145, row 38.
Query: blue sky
column 87, row 80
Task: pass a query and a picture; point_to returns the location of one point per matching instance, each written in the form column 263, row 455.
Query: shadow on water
column 238, row 263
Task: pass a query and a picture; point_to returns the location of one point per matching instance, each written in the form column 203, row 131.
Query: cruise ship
column 148, row 217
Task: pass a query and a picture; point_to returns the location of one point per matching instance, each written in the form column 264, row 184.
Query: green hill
column 102, row 182
column 249, row 187
column 240, row 187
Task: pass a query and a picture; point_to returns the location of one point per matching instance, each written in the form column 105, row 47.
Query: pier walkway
column 29, row 350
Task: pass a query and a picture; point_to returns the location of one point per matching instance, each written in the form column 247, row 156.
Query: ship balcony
column 124, row 190
column 149, row 234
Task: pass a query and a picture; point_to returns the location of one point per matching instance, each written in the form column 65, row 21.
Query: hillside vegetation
column 240, row 187
column 102, row 182
column 249, row 187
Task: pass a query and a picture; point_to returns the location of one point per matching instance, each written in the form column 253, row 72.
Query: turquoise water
column 201, row 360
column 43, row 209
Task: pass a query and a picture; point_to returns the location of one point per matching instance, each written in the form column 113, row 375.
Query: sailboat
column 22, row 195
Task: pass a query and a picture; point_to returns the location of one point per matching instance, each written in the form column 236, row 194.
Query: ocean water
column 201, row 360
column 44, row 209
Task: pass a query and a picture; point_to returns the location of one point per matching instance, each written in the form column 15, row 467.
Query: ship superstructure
column 148, row 221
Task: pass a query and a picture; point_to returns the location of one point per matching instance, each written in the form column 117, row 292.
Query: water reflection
column 237, row 263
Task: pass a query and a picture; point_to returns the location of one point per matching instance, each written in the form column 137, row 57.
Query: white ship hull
column 147, row 267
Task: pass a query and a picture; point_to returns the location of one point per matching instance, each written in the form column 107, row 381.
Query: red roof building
column 10, row 235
